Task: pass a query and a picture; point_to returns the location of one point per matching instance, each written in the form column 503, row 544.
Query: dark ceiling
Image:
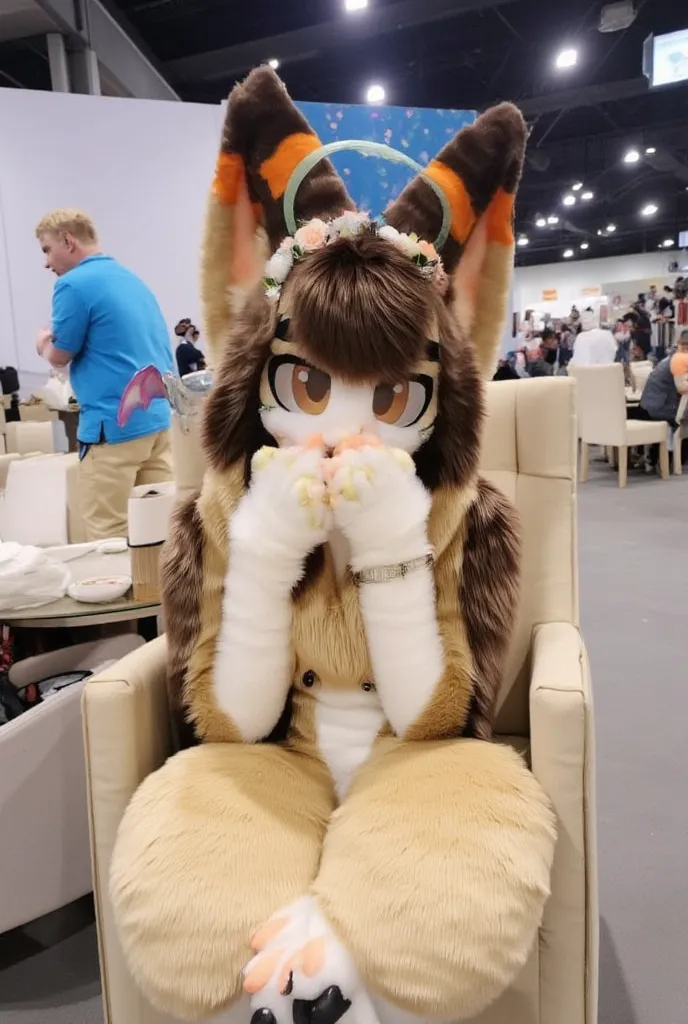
column 467, row 54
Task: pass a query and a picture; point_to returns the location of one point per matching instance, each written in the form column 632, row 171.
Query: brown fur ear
column 232, row 428
column 264, row 139
column 479, row 172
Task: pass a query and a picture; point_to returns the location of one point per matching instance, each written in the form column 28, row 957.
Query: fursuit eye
column 403, row 405
column 299, row 387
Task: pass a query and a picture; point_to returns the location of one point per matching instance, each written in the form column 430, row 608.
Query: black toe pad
column 328, row 1008
column 263, row 1016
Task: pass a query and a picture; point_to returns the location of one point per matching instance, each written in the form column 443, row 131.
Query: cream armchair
column 545, row 711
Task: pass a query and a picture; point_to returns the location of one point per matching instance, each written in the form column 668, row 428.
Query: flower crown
column 316, row 234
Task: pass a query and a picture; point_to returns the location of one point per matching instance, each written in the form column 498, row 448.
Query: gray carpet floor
column 634, row 598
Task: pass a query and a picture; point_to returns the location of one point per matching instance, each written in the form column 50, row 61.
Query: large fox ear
column 264, row 139
column 479, row 172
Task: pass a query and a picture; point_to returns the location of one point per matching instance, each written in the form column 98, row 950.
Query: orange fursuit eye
column 311, row 389
column 403, row 405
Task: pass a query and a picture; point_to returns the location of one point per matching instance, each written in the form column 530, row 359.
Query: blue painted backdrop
column 420, row 133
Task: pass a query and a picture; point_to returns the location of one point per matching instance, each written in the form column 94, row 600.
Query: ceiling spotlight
column 631, row 156
column 541, row 222
column 568, row 253
column 585, row 245
column 355, row 5
column 552, row 219
column 650, row 151
column 274, row 64
column 376, row 94
column 587, row 196
column 578, row 186
column 600, row 231
column 567, row 59
column 650, row 210
column 569, row 200
column 667, row 243
column 523, row 240
column 611, row 228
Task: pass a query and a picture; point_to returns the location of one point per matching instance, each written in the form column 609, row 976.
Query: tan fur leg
column 211, row 845
column 435, row 873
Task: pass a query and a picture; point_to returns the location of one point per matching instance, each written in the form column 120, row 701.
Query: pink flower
column 312, row 235
column 427, row 250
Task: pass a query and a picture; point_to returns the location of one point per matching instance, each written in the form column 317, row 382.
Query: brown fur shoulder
column 182, row 583
column 488, row 595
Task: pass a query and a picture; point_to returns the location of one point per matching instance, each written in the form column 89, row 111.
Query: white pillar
column 84, row 72
column 57, row 58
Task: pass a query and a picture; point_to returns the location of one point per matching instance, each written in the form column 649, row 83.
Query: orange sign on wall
column 550, row 295
column 592, row 291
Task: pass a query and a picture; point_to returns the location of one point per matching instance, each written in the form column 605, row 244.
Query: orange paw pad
column 256, row 980
column 266, row 933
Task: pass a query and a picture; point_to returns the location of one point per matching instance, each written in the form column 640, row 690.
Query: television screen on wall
column 665, row 58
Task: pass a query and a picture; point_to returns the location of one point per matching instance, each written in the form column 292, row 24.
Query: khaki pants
column 109, row 472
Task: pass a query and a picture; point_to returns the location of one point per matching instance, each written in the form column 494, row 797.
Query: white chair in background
column 45, row 436
column 641, row 371
column 602, row 419
column 45, row 858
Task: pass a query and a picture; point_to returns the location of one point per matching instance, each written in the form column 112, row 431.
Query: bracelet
column 386, row 573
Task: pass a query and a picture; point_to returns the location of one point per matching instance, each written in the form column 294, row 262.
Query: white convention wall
column 141, row 168
column 571, row 278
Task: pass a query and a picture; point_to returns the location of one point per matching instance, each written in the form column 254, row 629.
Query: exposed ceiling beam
column 306, row 43
column 586, row 96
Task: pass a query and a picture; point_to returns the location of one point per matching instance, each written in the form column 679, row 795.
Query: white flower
column 408, row 245
column 389, row 233
column 279, row 266
column 348, row 225
column 273, row 291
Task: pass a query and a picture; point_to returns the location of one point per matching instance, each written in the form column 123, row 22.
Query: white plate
column 99, row 589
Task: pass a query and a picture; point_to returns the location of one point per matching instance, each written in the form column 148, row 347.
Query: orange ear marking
column 278, row 168
column 228, row 172
column 463, row 214
column 500, row 217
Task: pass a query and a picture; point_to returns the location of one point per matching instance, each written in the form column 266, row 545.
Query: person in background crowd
column 680, row 288
column 9, row 386
column 107, row 325
column 189, row 357
column 593, row 346
column 640, row 341
column 662, row 394
column 566, row 343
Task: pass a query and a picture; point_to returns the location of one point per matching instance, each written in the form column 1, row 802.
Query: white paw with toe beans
column 302, row 971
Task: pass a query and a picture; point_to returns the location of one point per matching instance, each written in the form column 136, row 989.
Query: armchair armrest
column 563, row 761
column 128, row 735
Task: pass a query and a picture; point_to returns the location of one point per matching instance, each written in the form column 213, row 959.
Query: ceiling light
column 274, row 63
column 600, row 231
column 552, row 219
column 585, row 245
column 611, row 228
column 355, row 5
column 578, row 186
column 567, row 59
column 650, row 151
column 667, row 243
column 541, row 222
column 650, row 210
column 631, row 156
column 523, row 240
column 587, row 196
column 569, row 200
column 568, row 253
column 376, row 94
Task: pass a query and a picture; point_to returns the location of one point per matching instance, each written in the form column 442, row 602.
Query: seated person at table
column 189, row 357
column 594, row 346
column 663, row 391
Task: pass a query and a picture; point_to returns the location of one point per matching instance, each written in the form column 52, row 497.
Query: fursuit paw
column 379, row 503
column 302, row 974
column 285, row 513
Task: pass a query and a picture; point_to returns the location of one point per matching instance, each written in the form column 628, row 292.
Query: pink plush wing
column 143, row 387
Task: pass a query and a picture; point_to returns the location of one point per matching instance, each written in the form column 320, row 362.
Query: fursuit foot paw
column 302, row 974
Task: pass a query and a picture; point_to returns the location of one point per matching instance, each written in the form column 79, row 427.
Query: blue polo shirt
column 111, row 324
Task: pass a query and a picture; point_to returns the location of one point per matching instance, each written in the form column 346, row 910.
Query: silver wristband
column 386, row 573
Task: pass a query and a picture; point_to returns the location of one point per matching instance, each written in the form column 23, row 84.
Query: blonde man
column 106, row 325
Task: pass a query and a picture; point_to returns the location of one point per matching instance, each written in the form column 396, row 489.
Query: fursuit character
column 339, row 600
